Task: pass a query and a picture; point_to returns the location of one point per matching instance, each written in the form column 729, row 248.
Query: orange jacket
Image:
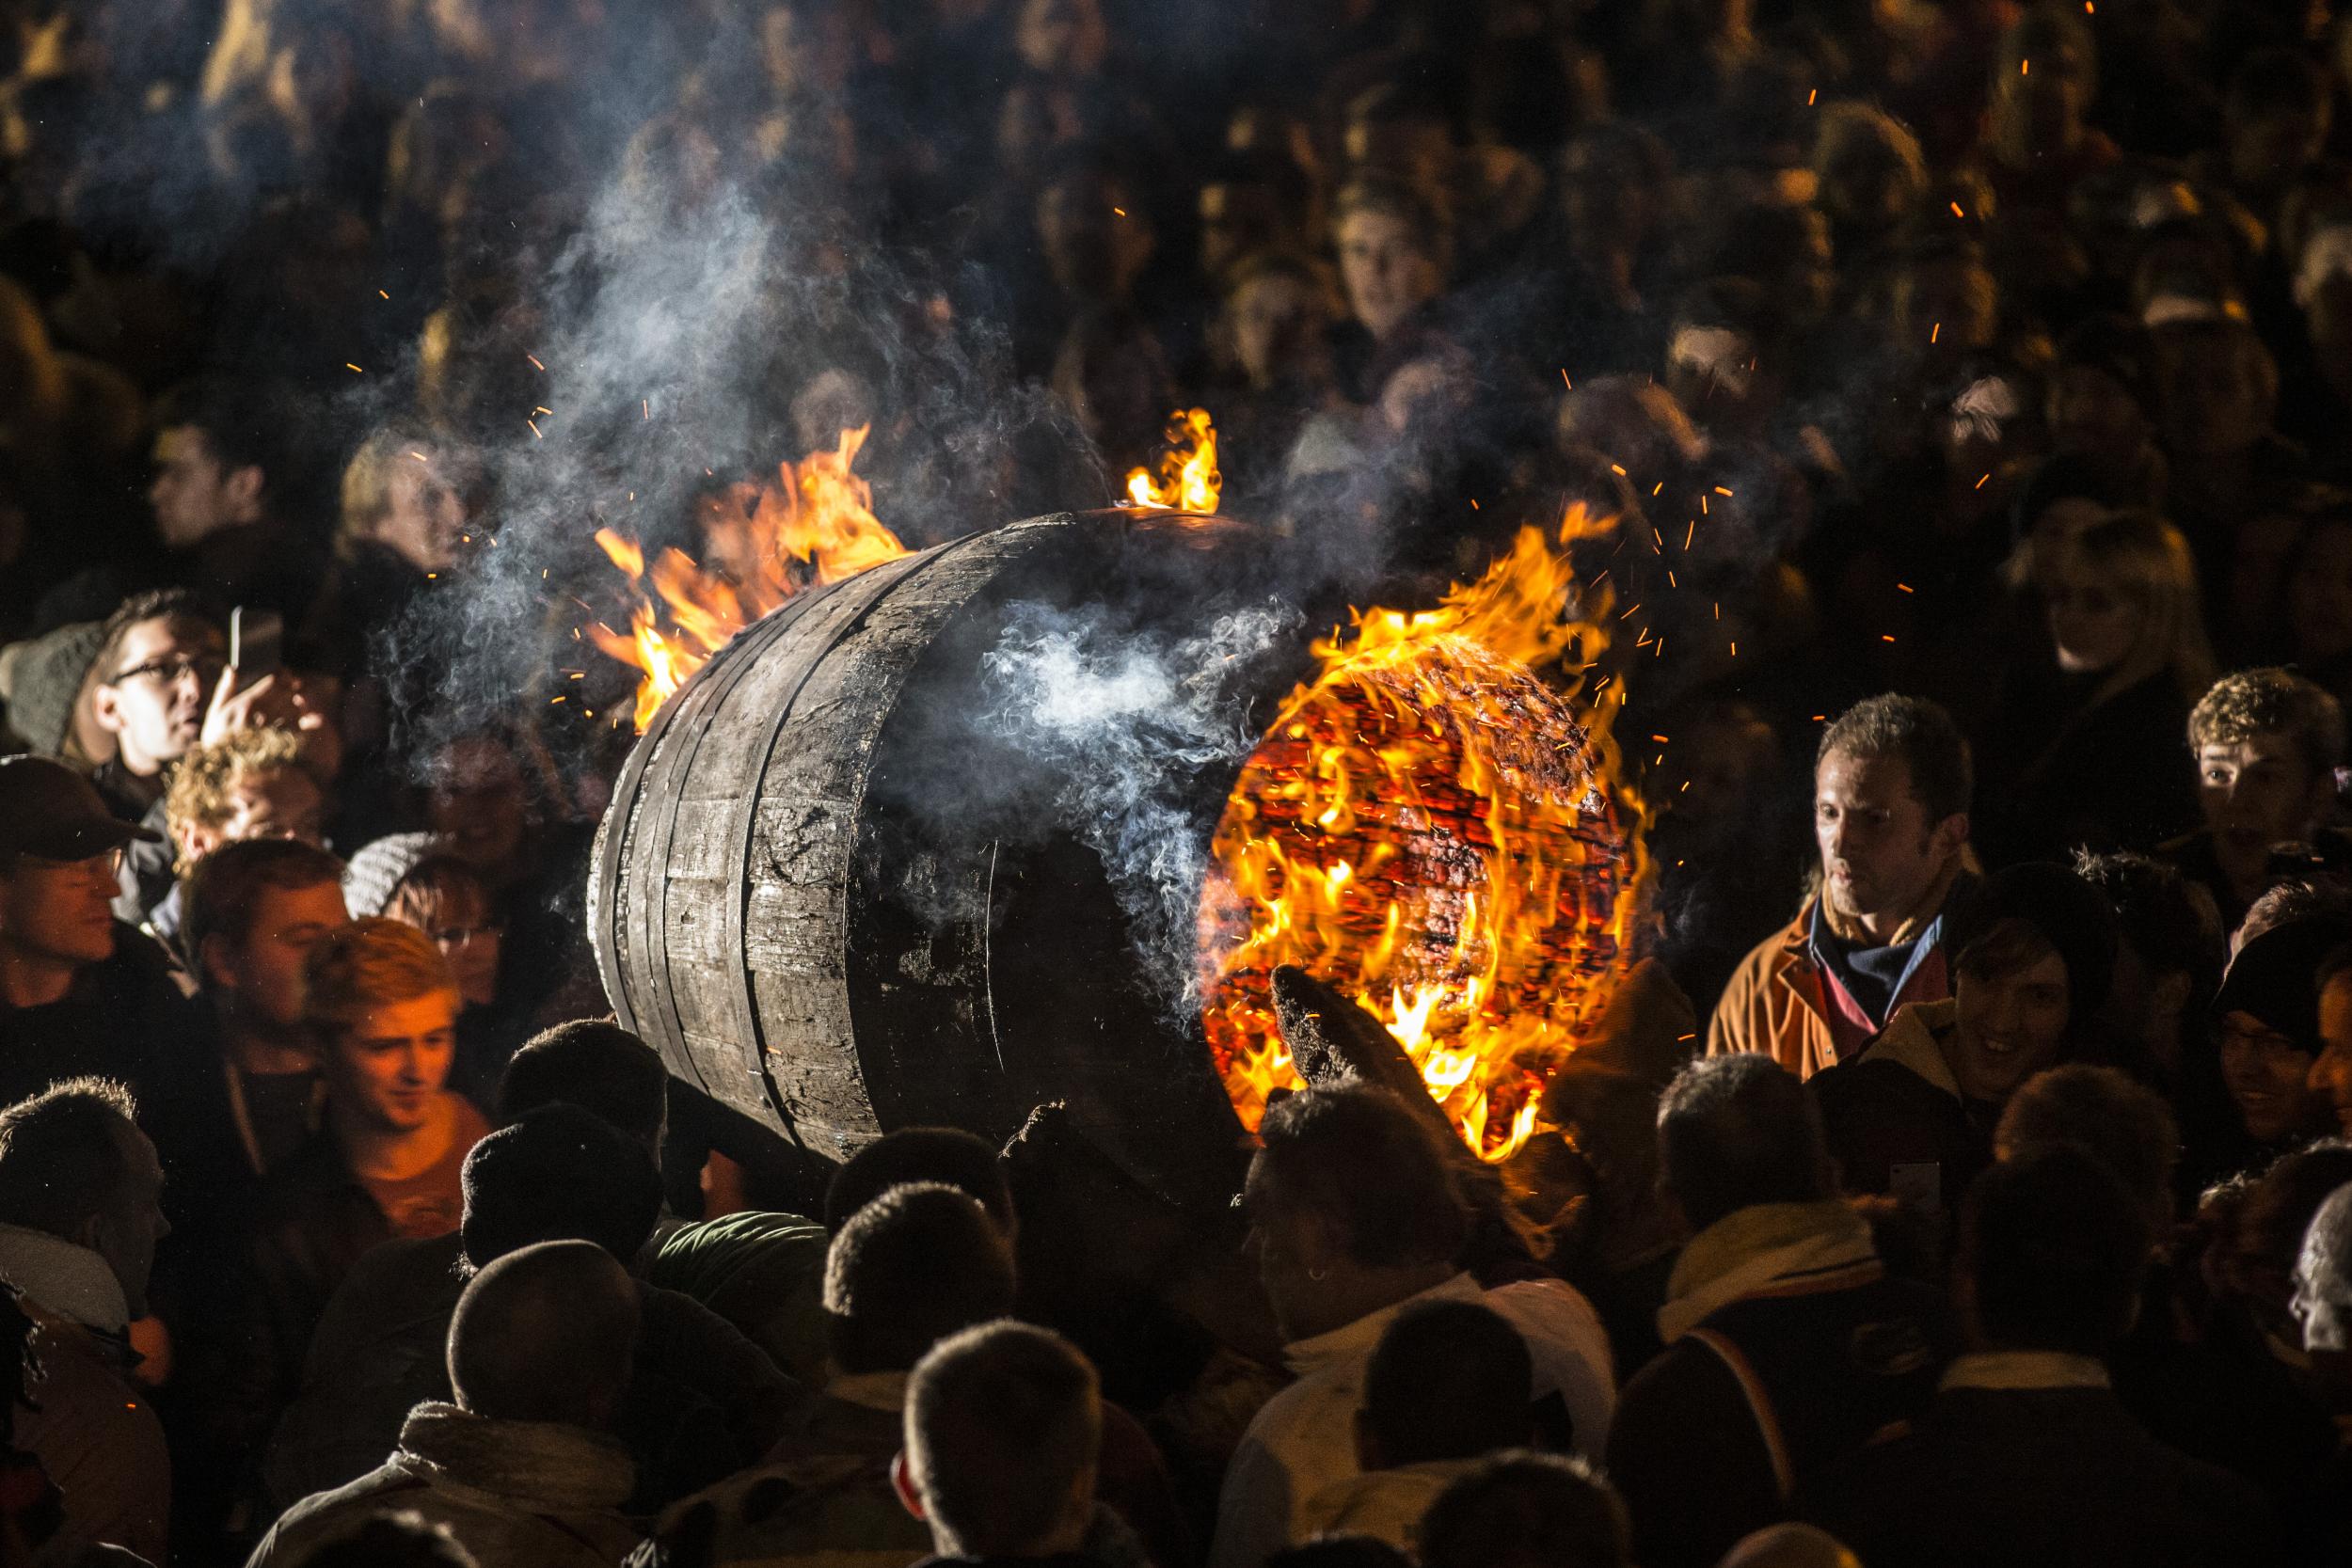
column 1777, row 1003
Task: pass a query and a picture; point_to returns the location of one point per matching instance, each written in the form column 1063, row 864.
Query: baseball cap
column 2275, row 977
column 47, row 809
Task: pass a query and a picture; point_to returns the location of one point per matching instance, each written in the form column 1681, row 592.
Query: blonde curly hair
column 202, row 792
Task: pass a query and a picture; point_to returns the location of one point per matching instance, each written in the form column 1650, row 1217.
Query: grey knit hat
column 375, row 873
column 44, row 676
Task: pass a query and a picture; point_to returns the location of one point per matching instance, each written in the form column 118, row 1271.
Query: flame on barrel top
column 1187, row 480
column 1442, row 833
column 763, row 543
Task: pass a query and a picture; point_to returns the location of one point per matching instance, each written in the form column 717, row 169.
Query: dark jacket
column 241, row 1358
column 1811, row 1350
column 121, row 1020
column 149, row 869
column 1896, row 1121
column 211, row 1175
column 2110, row 776
column 705, row 1401
column 2030, row 1477
column 823, row 1495
column 2330, row 853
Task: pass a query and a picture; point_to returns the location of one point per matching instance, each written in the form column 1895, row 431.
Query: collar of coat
column 68, row 1280
column 1767, row 1249
column 1913, row 1038
column 542, row 1465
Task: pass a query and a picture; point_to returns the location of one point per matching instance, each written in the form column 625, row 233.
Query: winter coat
column 508, row 1491
column 704, row 1402
column 1895, row 1118
column 1784, row 1003
column 823, row 1497
column 90, row 1427
column 1787, row 1345
column 1386, row 1504
column 1304, row 1439
column 2029, row 1461
column 121, row 1018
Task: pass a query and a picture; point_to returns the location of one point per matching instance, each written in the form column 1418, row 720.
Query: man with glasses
column 158, row 669
column 164, row 689
column 79, row 994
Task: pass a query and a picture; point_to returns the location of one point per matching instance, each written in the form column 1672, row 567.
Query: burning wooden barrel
column 828, row 892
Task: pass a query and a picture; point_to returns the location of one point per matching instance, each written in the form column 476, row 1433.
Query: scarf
column 540, row 1464
column 1767, row 1247
column 67, row 1279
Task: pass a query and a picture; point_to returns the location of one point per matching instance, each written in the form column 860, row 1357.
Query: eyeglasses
column 457, row 937
column 169, row 671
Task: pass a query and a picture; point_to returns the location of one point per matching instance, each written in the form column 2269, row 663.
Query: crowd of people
column 1960, row 388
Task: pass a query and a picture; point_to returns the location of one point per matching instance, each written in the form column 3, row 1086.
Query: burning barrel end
column 837, row 895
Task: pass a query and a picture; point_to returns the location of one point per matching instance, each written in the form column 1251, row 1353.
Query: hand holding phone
column 257, row 642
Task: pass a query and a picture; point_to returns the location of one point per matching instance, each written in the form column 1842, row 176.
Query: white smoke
column 1130, row 722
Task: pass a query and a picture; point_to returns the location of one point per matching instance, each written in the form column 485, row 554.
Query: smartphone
column 257, row 644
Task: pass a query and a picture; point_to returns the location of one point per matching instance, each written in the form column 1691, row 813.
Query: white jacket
column 1304, row 1440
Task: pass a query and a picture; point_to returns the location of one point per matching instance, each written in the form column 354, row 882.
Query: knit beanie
column 2275, row 977
column 375, row 873
column 45, row 677
column 2070, row 914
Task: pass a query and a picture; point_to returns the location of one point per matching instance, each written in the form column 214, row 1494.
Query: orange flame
column 763, row 544
column 1187, row 480
column 1441, row 834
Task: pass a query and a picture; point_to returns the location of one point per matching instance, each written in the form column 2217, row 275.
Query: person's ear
column 242, row 488
column 1951, row 835
column 213, row 958
column 106, row 707
column 902, row 1482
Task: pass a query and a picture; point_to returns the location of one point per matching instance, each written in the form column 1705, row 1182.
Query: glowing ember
column 1187, row 480
column 762, row 544
column 1437, row 833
